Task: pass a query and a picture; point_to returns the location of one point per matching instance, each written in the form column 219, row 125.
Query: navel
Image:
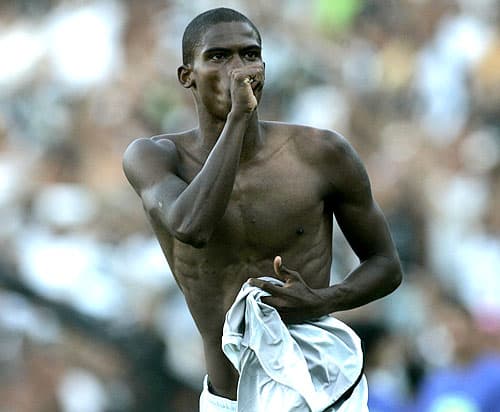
column 300, row 230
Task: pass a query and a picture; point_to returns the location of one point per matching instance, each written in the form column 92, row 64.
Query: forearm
column 201, row 205
column 373, row 279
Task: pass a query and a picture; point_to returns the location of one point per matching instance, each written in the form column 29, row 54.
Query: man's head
column 195, row 30
column 216, row 44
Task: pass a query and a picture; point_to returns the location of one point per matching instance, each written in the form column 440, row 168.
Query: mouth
column 256, row 86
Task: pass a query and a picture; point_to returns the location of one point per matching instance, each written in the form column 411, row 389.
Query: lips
column 255, row 84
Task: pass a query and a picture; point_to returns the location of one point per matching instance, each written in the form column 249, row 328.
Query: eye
column 252, row 55
column 217, row 57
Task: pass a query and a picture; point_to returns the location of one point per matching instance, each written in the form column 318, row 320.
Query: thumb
column 282, row 272
column 277, row 265
column 280, row 268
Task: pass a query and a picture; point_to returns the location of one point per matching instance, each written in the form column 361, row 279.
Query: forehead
column 229, row 35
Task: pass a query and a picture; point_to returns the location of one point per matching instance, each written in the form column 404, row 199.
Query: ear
column 185, row 76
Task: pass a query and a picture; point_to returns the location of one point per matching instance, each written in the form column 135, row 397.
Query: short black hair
column 199, row 25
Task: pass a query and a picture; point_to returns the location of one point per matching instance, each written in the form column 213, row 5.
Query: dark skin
column 238, row 198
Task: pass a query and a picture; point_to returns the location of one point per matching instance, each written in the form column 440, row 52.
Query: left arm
column 365, row 228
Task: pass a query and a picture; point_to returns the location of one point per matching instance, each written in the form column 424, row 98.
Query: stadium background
column 90, row 317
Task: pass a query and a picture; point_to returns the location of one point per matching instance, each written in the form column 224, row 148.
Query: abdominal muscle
column 209, row 297
column 210, row 279
column 211, row 290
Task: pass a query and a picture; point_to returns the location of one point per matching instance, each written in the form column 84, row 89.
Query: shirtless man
column 236, row 194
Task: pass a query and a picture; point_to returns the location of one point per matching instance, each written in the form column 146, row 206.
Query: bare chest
column 275, row 208
column 270, row 205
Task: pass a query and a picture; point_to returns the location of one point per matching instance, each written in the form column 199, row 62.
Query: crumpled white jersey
column 291, row 368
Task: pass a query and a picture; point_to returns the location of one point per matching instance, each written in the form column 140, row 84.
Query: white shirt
column 299, row 367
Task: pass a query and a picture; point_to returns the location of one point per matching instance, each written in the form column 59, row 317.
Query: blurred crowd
column 91, row 319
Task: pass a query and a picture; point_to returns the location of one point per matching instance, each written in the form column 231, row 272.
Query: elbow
column 188, row 233
column 391, row 273
column 394, row 274
column 195, row 240
column 181, row 228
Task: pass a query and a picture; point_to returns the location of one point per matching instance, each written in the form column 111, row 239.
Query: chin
column 218, row 115
column 222, row 112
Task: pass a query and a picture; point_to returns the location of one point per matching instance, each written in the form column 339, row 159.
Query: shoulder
column 314, row 144
column 159, row 145
column 148, row 158
column 332, row 156
column 163, row 146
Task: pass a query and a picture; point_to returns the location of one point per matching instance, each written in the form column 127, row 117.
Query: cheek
column 215, row 81
column 216, row 91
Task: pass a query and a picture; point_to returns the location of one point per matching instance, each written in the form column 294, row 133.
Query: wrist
column 239, row 115
column 325, row 301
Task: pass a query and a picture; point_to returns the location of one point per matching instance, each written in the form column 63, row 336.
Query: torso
column 277, row 207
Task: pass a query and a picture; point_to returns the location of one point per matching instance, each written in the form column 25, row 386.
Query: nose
column 236, row 62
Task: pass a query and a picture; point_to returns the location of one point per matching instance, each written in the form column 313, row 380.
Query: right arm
column 189, row 211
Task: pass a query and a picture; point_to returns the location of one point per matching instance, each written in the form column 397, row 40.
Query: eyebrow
column 228, row 49
column 216, row 50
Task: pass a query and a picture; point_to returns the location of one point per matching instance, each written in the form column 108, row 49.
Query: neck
column 210, row 128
